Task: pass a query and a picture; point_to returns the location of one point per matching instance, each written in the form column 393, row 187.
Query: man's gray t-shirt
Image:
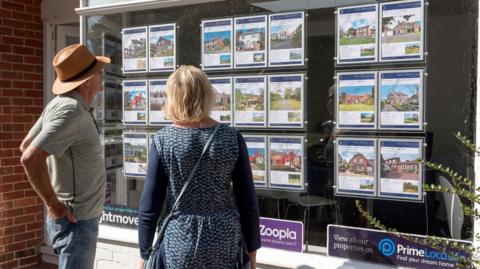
column 76, row 166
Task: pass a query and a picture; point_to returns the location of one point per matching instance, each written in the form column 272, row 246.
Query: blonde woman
column 210, row 219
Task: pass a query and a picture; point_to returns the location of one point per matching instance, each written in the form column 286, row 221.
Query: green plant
column 461, row 186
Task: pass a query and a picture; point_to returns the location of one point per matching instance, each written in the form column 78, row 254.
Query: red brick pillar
column 21, row 102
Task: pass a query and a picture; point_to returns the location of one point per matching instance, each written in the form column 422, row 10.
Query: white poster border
column 125, row 135
column 146, row 52
column 336, row 171
column 337, row 41
column 303, row 40
column 337, row 100
column 302, row 108
column 265, row 109
column 421, row 102
column 422, row 36
column 150, row 123
column 232, row 46
column 174, row 48
column 421, row 141
column 235, row 42
column 299, row 187
column 140, row 123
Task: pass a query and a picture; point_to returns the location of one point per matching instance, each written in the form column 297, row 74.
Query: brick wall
column 21, row 101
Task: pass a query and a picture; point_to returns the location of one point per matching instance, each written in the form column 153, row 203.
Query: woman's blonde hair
column 190, row 95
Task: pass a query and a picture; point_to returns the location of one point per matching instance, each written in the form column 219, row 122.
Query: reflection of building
column 360, row 164
column 221, row 98
column 406, row 27
column 164, row 44
column 356, row 99
column 158, row 98
column 251, row 40
column 215, row 44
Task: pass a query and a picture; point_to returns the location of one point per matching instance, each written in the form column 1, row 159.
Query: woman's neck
column 204, row 123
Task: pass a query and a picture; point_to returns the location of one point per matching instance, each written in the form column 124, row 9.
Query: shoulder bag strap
column 189, row 179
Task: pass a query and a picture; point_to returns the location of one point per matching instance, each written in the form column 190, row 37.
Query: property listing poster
column 402, row 36
column 162, row 47
column 217, row 44
column 287, row 35
column 135, row 154
column 357, row 34
column 135, row 102
column 286, row 162
column 401, row 175
column 355, row 166
column 250, row 42
column 250, row 101
column 257, row 149
column 356, row 100
column 222, row 108
column 134, row 46
column 285, row 93
column 157, row 97
column 401, row 100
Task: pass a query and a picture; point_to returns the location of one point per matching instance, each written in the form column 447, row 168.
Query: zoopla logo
column 387, row 247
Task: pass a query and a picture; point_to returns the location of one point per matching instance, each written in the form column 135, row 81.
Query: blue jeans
column 75, row 243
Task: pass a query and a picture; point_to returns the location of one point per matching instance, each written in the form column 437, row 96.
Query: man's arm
column 34, row 161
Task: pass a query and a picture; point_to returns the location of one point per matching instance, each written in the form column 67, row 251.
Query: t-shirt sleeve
column 58, row 132
column 37, row 127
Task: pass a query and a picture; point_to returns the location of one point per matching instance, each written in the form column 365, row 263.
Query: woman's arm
column 151, row 202
column 246, row 199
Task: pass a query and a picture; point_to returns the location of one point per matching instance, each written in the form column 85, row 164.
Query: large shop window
column 332, row 110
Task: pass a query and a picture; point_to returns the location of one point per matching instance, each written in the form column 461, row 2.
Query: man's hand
column 59, row 211
column 142, row 263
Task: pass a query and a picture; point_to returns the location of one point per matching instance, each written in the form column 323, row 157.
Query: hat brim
column 60, row 87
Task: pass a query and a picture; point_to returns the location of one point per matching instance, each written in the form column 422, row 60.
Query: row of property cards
column 244, row 101
column 259, row 41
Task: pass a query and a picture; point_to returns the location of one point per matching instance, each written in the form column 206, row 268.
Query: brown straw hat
column 74, row 65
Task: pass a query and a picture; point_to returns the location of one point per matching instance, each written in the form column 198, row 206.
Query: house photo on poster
column 222, row 107
column 162, row 47
column 401, row 100
column 401, row 176
column 134, row 47
column 285, row 100
column 217, row 44
column 356, row 100
column 135, row 102
column 250, row 101
column 356, row 166
column 287, row 39
column 357, row 34
column 135, row 154
column 250, row 42
column 286, row 162
column 257, row 155
column 157, row 97
column 402, row 37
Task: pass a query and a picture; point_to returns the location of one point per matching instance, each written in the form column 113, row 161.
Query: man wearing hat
column 63, row 158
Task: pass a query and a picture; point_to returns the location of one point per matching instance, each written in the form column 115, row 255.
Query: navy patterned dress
column 218, row 207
